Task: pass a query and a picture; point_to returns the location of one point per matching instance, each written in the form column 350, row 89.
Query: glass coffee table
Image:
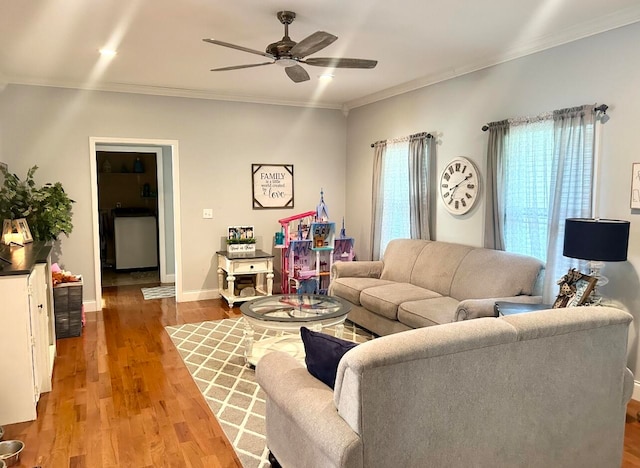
column 287, row 313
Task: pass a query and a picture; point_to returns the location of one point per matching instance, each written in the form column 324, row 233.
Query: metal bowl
column 10, row 451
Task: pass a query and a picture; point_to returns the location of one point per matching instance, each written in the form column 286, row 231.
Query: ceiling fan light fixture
column 286, row 62
column 289, row 54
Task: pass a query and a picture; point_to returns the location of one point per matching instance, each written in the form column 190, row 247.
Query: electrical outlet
column 207, row 213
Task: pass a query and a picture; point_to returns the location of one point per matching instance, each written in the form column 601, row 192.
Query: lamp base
column 594, row 271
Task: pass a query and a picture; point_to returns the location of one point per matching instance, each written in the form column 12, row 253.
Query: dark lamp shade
column 603, row 240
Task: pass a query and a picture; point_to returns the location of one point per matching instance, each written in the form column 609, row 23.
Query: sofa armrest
column 304, row 406
column 475, row 308
column 357, row 269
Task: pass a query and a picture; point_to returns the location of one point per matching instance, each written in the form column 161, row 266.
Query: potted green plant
column 47, row 209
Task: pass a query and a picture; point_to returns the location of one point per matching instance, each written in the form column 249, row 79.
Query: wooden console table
column 231, row 265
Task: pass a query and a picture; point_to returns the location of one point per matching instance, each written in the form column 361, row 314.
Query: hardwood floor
column 122, row 396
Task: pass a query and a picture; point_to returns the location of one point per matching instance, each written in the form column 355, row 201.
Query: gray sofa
column 423, row 283
column 540, row 389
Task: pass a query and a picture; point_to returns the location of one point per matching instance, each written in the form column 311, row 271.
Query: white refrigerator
column 136, row 239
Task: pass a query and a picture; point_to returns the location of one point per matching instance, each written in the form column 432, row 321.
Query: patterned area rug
column 159, row 292
column 213, row 353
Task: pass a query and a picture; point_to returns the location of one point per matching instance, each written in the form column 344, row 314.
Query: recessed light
column 326, row 77
column 108, row 52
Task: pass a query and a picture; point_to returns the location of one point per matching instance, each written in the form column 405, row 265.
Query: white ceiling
column 160, row 47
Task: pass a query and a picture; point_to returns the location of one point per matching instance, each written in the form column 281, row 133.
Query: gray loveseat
column 541, row 389
column 423, row 283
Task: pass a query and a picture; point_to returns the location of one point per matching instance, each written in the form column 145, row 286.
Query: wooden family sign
column 272, row 186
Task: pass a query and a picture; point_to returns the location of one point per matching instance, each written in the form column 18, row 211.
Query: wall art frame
column 575, row 289
column 272, row 186
column 635, row 186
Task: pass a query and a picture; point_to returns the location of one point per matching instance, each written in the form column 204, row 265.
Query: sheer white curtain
column 401, row 191
column 527, row 179
column 543, row 173
column 571, row 185
column 395, row 187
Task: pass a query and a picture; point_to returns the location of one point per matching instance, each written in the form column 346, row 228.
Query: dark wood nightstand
column 503, row 309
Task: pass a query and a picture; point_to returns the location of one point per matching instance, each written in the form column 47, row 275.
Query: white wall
column 601, row 69
column 218, row 142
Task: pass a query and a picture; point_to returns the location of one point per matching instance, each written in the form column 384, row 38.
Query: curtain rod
column 429, row 135
column 601, row 108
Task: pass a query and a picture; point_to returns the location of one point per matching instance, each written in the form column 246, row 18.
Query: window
column 401, row 199
column 527, row 182
column 544, row 168
column 395, row 187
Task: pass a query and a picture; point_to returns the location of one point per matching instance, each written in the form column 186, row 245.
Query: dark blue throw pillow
column 323, row 353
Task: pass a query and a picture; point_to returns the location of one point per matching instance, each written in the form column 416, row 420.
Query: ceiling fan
column 290, row 55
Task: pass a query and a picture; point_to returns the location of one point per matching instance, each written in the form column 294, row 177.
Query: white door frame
column 139, row 144
column 164, row 278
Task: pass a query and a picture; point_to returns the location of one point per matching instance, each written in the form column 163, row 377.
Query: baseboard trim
column 170, row 279
column 90, row 306
column 636, row 391
column 200, row 295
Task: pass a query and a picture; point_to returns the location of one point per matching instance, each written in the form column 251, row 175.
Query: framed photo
column 575, row 289
column 7, row 229
column 635, row 186
column 240, row 233
column 23, row 228
column 272, row 186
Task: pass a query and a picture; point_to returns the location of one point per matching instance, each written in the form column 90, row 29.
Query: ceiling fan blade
column 237, row 47
column 340, row 62
column 239, row 67
column 297, row 73
column 312, row 44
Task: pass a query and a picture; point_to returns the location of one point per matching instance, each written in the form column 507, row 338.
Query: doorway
column 128, row 216
column 135, row 205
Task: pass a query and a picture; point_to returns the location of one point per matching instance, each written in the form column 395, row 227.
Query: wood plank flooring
column 122, row 396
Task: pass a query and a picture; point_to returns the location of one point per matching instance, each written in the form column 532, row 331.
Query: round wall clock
column 459, row 186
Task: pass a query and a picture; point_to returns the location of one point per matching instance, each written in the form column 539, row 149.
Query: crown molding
column 588, row 28
column 168, row 92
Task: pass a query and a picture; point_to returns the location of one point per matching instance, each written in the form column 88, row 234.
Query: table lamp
column 597, row 240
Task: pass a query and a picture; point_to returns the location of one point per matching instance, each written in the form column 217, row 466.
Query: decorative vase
column 138, row 167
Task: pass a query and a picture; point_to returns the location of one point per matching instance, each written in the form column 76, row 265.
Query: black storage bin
column 67, row 307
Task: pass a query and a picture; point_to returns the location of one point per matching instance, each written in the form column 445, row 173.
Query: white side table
column 257, row 263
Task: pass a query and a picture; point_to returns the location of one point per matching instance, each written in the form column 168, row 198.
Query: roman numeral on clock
column 458, row 167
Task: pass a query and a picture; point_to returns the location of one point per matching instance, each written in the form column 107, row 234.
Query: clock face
column 459, row 186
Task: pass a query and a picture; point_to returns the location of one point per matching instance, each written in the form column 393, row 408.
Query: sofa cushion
column 399, row 258
column 323, row 353
column 436, row 265
column 350, row 288
column 428, row 312
column 384, row 300
column 485, row 273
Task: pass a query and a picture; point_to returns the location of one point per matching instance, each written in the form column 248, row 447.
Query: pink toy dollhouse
column 309, row 249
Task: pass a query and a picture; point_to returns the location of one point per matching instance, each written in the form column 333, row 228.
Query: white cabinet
column 27, row 333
